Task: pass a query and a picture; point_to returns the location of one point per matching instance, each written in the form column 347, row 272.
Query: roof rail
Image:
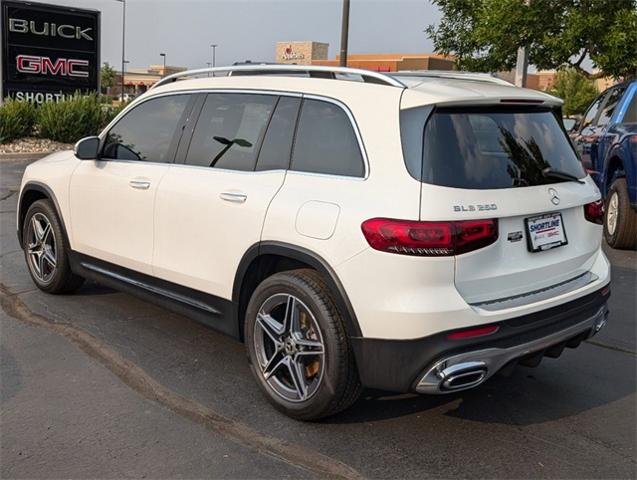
column 368, row 76
column 453, row 74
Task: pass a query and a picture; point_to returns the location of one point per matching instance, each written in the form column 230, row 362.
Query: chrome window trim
column 282, row 93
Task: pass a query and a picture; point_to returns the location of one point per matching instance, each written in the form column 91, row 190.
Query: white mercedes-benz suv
column 415, row 232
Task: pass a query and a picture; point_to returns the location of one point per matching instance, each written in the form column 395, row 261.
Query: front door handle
column 140, row 184
column 234, row 197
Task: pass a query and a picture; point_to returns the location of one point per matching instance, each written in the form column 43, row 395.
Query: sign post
column 48, row 52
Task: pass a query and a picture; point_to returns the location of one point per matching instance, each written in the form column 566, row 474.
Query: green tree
column 108, row 76
column 484, row 35
column 577, row 91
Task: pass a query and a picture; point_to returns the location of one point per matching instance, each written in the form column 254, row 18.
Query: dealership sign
column 48, row 51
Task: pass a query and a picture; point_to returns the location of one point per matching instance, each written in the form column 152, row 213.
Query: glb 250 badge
column 484, row 207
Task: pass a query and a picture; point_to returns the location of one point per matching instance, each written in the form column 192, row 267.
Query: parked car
column 607, row 143
column 410, row 233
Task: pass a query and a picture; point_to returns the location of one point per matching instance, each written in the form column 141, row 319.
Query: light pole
column 344, row 33
column 214, row 56
column 124, row 63
column 163, row 72
column 123, row 2
column 208, row 64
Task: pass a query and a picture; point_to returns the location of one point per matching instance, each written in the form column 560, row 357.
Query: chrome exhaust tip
column 462, row 375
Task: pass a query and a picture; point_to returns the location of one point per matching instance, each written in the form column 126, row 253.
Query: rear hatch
column 516, row 165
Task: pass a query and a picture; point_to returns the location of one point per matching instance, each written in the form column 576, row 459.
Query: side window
column 326, row 142
column 630, row 116
column 591, row 113
column 146, row 133
column 229, row 131
column 277, row 144
column 612, row 101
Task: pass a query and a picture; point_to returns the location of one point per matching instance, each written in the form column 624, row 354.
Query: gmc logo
column 47, row 29
column 66, row 67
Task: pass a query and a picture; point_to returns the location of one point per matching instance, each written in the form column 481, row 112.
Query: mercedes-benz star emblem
column 555, row 199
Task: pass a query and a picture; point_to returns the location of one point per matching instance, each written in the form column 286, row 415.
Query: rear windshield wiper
column 549, row 172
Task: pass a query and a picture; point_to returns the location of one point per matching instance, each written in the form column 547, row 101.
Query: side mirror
column 87, row 148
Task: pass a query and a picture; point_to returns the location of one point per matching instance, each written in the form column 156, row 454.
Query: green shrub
column 16, row 120
column 69, row 120
column 111, row 112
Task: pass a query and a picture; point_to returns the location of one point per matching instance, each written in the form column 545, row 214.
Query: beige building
column 138, row 80
column 300, row 53
column 394, row 62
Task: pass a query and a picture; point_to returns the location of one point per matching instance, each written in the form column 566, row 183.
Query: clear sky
column 249, row 29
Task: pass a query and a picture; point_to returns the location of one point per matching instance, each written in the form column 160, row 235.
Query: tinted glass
column 229, row 130
column 484, row 149
column 147, row 131
column 277, row 144
column 631, row 113
column 614, row 97
column 591, row 113
column 326, row 142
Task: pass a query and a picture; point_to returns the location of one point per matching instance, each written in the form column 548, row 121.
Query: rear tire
column 329, row 381
column 46, row 250
column 620, row 220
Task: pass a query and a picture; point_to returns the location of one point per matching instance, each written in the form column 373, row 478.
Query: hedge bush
column 69, row 120
column 16, row 120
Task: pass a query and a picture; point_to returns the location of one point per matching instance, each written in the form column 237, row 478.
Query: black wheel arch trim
column 308, row 257
column 48, row 193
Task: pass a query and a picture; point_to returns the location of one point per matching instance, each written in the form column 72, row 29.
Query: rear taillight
column 594, row 212
column 429, row 239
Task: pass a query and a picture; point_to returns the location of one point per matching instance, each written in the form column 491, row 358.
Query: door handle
column 140, row 184
column 233, row 197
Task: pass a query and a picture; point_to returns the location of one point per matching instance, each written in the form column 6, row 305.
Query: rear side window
column 277, row 144
column 326, row 142
column 495, row 148
column 147, row 132
column 230, row 130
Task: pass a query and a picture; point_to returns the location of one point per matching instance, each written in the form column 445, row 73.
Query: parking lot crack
column 140, row 381
column 612, row 347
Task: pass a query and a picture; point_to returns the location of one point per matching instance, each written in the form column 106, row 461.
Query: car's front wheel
column 620, row 220
column 46, row 250
column 298, row 348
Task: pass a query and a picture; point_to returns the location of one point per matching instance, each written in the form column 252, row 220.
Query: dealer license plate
column 545, row 232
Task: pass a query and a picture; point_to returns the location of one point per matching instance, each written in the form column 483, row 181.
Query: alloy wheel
column 41, row 248
column 289, row 347
column 612, row 213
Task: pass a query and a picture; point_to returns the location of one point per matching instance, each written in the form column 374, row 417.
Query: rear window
column 494, row 148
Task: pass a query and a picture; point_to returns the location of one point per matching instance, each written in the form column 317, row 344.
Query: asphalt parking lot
column 102, row 385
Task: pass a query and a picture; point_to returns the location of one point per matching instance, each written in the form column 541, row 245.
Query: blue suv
column 606, row 140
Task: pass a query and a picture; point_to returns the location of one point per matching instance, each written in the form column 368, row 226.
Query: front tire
column 46, row 250
column 297, row 346
column 620, row 220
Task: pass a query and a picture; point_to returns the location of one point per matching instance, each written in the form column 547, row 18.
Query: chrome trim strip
column 386, row 79
column 495, row 358
column 539, row 295
column 150, row 288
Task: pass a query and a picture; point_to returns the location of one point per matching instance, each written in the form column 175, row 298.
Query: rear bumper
column 436, row 364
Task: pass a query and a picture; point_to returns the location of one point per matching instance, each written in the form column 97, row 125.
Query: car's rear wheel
column 46, row 250
column 620, row 220
column 298, row 348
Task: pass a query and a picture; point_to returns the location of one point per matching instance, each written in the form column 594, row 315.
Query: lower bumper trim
column 469, row 369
